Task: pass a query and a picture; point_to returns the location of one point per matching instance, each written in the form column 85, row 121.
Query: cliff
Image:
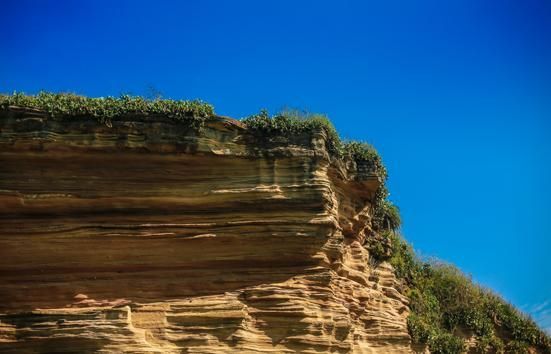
column 147, row 236
column 146, row 231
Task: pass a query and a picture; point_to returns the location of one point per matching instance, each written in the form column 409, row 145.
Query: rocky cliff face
column 148, row 237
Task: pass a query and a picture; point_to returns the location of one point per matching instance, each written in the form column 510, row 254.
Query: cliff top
column 192, row 113
column 195, row 114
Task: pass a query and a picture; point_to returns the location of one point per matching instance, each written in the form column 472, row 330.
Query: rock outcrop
column 149, row 237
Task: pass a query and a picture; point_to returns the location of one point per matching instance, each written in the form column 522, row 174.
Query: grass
column 293, row 122
column 60, row 106
column 444, row 302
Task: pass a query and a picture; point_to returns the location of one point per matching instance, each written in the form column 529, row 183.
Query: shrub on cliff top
column 293, row 122
column 444, row 301
column 105, row 109
column 365, row 152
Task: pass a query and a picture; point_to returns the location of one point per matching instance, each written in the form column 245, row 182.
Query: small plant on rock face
column 379, row 246
column 386, row 216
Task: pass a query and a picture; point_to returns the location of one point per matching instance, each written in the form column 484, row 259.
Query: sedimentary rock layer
column 150, row 237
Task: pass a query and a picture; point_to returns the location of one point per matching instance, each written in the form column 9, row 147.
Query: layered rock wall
column 148, row 237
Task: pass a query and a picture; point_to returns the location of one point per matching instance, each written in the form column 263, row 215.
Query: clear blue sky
column 456, row 95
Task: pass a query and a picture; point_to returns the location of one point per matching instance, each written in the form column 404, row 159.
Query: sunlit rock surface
column 147, row 237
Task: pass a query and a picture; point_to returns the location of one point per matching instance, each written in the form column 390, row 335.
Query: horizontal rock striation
column 151, row 237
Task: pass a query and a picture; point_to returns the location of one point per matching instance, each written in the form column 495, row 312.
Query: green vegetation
column 386, row 216
column 365, row 153
column 445, row 302
column 66, row 106
column 61, row 106
column 292, row 123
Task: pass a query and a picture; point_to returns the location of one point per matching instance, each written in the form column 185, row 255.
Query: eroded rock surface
column 147, row 237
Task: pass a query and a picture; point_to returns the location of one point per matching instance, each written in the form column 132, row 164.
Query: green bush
column 446, row 343
column 419, row 330
column 517, row 347
column 423, row 331
column 489, row 343
column 378, row 251
column 365, row 152
column 520, row 327
column 380, row 245
column 386, row 216
column 292, row 122
column 406, row 264
column 289, row 122
column 68, row 105
column 444, row 300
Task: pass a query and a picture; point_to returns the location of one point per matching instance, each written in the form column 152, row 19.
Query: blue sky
column 456, row 96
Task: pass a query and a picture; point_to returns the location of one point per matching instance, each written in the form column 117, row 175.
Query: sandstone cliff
column 150, row 237
column 155, row 226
